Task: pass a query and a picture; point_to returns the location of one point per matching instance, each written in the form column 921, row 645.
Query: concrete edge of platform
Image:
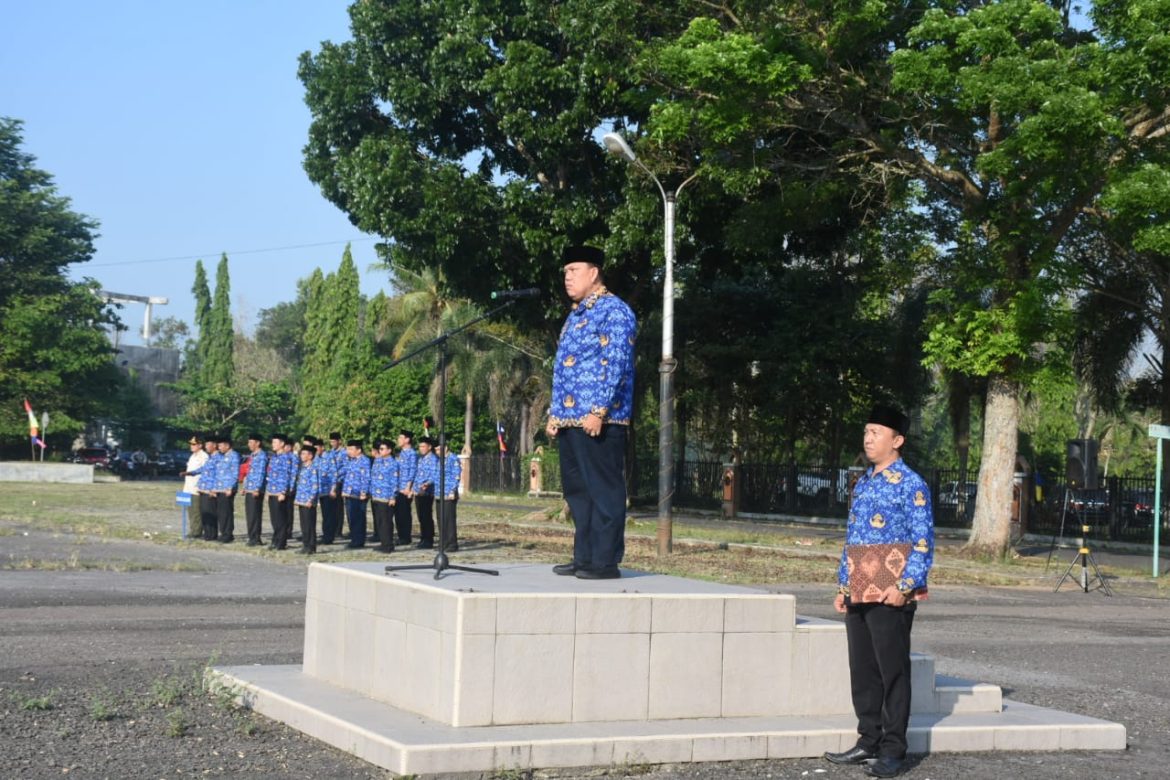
column 408, row 744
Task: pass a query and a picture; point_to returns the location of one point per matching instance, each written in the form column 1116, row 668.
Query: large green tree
column 53, row 344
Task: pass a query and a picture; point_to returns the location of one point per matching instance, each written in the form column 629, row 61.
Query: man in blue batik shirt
column 308, row 493
column 254, row 485
column 592, row 400
column 891, row 506
column 355, row 488
column 332, row 460
column 208, row 498
column 279, row 484
column 407, row 465
column 383, row 486
column 227, row 480
column 425, row 476
column 447, row 498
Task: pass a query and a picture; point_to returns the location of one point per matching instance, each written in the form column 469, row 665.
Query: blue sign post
column 183, row 500
column 1161, row 433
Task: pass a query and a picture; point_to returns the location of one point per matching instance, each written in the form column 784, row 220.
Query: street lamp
column 616, row 145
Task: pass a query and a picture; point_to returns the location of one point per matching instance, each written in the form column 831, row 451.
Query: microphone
column 531, row 292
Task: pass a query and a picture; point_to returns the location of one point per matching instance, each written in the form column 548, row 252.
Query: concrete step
column 406, row 743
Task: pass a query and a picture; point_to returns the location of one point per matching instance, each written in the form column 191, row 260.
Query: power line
column 231, row 254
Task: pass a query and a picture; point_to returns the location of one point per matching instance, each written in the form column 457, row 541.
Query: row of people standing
column 335, row 482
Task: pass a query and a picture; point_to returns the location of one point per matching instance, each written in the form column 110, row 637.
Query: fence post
column 730, row 506
column 791, row 486
column 535, row 474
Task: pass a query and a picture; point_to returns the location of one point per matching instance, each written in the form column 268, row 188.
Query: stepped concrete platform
column 474, row 673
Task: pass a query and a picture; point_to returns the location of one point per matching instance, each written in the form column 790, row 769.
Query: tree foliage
column 53, row 345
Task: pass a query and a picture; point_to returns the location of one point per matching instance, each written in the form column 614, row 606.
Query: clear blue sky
column 179, row 127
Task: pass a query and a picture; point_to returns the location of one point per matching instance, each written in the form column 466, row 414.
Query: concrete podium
column 474, row 673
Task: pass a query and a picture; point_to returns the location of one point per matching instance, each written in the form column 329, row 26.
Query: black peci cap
column 583, row 254
column 889, row 417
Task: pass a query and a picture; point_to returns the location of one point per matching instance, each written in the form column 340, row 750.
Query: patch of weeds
column 634, row 766
column 35, row 703
column 177, row 723
column 247, row 725
column 103, row 707
column 167, row 691
column 512, row 774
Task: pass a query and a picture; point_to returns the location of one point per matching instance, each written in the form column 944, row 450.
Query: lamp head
column 617, row 146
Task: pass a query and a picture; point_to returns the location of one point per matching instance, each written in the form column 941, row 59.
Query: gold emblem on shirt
column 922, row 546
column 892, row 477
column 877, row 521
column 570, row 402
column 604, row 340
column 570, row 361
column 580, row 324
column 919, row 499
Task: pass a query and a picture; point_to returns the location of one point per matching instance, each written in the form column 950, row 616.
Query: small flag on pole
column 500, row 437
column 33, row 429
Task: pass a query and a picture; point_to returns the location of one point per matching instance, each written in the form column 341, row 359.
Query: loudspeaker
column 1081, row 465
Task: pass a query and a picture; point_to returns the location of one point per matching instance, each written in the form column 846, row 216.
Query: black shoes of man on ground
column 874, row 765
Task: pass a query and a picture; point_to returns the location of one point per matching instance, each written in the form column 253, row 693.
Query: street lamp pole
column 616, row 145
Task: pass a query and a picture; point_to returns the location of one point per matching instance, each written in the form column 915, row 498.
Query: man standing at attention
column 308, row 493
column 279, row 483
column 448, row 498
column 891, row 526
column 254, row 488
column 425, row 477
column 227, row 480
column 407, row 465
column 191, row 485
column 592, row 400
column 355, row 489
column 383, row 484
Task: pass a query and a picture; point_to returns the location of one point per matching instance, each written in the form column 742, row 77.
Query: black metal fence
column 1121, row 510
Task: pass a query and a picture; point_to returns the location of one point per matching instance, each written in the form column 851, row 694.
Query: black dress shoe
column 425, row 546
column 452, row 548
column 385, row 549
column 352, row 546
column 604, row 573
column 886, row 766
column 854, row 755
column 253, row 542
column 566, row 569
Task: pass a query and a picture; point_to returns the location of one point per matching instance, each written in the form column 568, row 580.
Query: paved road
column 1085, row 653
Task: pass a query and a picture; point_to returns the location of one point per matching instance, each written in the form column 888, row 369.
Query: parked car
column 98, row 457
column 820, row 484
column 950, row 493
column 1137, row 509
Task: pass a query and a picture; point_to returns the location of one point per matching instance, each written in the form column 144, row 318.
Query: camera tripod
column 1083, row 556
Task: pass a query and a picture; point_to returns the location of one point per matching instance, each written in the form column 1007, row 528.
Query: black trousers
column 355, row 514
column 593, row 478
column 278, row 516
column 254, row 514
column 424, row 507
column 208, row 503
column 383, row 523
column 308, row 516
column 225, row 515
column 330, row 520
column 448, row 530
column 402, row 517
column 879, row 674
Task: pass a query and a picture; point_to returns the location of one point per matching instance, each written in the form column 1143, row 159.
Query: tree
column 218, row 363
column 169, row 333
column 1016, row 122
column 465, row 134
column 40, row 235
column 53, row 345
column 197, row 351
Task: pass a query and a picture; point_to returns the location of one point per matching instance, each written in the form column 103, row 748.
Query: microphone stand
column 441, row 562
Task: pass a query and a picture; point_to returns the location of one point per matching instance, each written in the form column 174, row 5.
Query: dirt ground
column 103, row 641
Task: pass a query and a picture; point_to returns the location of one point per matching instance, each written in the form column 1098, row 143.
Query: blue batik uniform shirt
column 327, row 469
column 280, row 474
column 427, row 474
column 308, row 484
column 893, row 507
column 257, row 471
column 407, row 465
column 227, row 471
column 454, row 470
column 207, row 473
column 356, row 480
column 383, row 478
column 594, row 370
